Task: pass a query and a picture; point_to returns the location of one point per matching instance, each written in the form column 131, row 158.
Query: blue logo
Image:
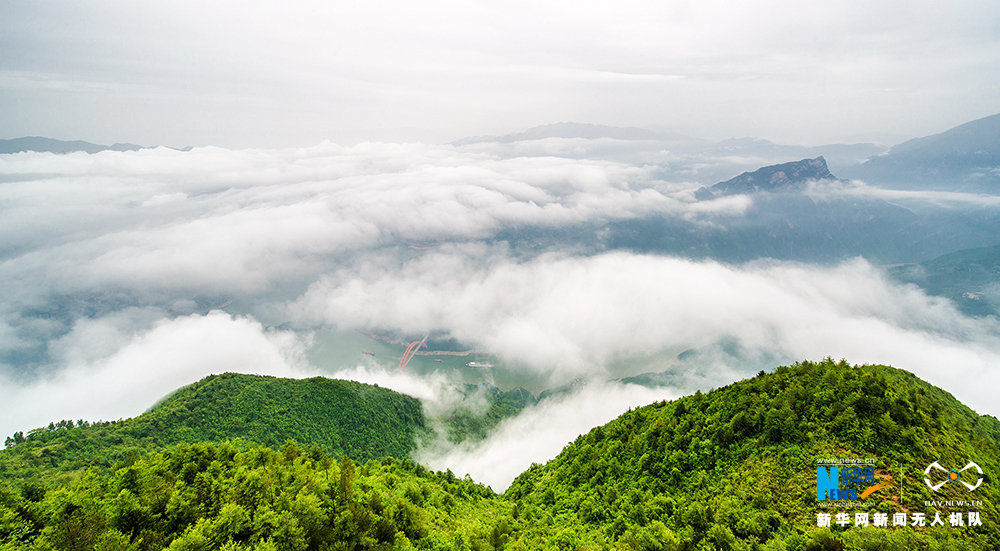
column 846, row 483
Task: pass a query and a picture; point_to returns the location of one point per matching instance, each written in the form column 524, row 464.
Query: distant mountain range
column 644, row 147
column 965, row 158
column 37, row 143
column 785, row 220
column 785, row 223
column 578, row 130
column 49, row 145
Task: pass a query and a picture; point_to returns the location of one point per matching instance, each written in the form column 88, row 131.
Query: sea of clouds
column 128, row 274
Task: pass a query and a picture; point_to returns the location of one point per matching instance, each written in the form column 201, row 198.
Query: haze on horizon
column 277, row 75
column 129, row 274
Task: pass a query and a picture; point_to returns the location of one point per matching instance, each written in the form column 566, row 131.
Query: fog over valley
column 608, row 267
column 508, row 276
column 531, row 217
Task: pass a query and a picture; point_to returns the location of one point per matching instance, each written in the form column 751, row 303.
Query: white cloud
column 944, row 200
column 438, row 392
column 143, row 369
column 539, row 433
column 535, row 435
column 571, row 316
column 237, row 221
column 106, row 258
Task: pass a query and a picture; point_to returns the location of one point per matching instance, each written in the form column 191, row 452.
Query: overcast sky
column 269, row 74
column 113, row 265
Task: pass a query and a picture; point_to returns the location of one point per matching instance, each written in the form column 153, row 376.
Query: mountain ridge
column 42, row 144
column 962, row 158
column 578, row 130
column 50, row 145
column 734, row 468
column 782, row 177
column 345, row 417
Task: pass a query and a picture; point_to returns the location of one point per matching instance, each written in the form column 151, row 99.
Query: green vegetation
column 363, row 421
column 465, row 424
column 238, row 496
column 735, row 468
column 731, row 469
column 970, row 278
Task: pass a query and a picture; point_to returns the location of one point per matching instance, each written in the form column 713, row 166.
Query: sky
column 322, row 196
column 270, row 74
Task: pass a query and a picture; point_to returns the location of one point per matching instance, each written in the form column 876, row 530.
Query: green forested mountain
column 734, row 469
column 344, row 417
column 237, row 496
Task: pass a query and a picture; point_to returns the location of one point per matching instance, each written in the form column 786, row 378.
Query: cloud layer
column 114, row 267
column 572, row 316
column 106, row 375
column 224, row 220
column 99, row 250
column 539, row 433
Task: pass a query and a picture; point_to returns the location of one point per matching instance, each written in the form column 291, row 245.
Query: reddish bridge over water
column 411, row 350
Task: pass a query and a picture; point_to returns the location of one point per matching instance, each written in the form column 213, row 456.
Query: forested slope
column 736, row 468
column 238, row 496
column 731, row 469
column 344, row 417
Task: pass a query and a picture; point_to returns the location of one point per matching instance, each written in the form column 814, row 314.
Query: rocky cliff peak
column 783, row 177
